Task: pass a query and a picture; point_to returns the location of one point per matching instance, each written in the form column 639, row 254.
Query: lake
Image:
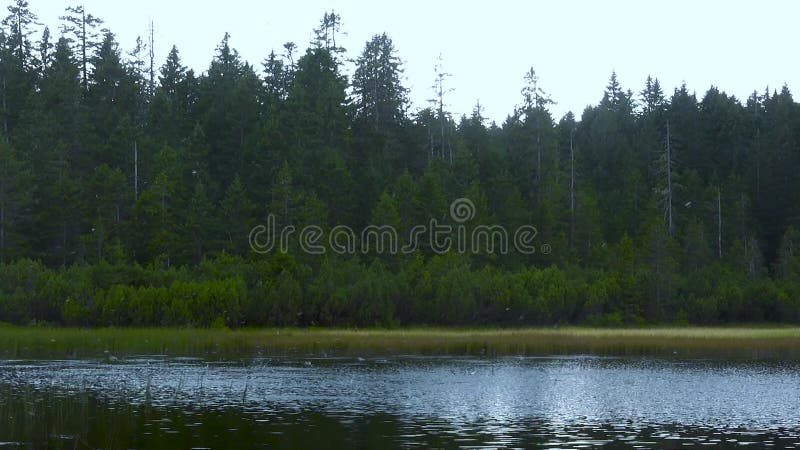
column 407, row 401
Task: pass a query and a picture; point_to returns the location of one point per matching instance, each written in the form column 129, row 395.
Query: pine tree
column 170, row 113
column 19, row 23
column 17, row 63
column 113, row 92
column 228, row 111
column 325, row 35
column 380, row 95
column 83, row 28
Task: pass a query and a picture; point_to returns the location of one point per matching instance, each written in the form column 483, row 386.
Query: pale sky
column 488, row 46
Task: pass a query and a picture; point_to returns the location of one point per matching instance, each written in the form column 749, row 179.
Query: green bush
column 363, row 290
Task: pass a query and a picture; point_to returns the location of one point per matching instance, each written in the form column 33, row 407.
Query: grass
column 743, row 341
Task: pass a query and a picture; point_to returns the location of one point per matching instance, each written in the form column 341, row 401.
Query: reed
column 743, row 341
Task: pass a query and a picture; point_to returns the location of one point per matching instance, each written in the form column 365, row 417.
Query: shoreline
column 746, row 341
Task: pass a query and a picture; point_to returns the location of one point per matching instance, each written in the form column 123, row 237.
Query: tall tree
column 45, row 48
column 536, row 118
column 653, row 101
column 443, row 117
column 17, row 63
column 113, row 101
column 83, row 28
column 317, row 114
column 229, row 112
column 325, row 34
column 171, row 111
column 380, row 96
column 19, row 24
column 666, row 166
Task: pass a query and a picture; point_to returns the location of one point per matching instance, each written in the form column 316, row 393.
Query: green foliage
column 345, row 291
column 123, row 203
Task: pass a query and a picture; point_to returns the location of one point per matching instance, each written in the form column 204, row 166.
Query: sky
column 488, row 46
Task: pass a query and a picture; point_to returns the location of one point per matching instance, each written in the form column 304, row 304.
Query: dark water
column 565, row 402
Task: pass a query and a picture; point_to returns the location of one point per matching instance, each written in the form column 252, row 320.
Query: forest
column 129, row 186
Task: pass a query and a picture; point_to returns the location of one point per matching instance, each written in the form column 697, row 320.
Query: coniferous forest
column 129, row 186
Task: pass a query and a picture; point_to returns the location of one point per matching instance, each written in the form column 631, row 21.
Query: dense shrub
column 362, row 291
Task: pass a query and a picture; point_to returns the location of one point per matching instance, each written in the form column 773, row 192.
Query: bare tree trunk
column 135, row 171
column 441, row 115
column 151, row 87
column 719, row 223
column 669, row 184
column 439, row 91
column 84, row 61
column 571, row 190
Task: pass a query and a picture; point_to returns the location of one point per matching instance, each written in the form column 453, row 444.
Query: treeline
column 128, row 188
column 441, row 290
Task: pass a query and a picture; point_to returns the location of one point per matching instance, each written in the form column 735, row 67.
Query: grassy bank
column 755, row 342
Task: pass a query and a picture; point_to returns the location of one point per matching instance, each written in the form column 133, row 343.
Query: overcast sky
column 487, row 46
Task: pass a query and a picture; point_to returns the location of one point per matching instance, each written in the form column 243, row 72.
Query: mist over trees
column 128, row 188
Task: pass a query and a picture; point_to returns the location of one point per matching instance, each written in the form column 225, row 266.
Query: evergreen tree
column 115, row 187
column 380, row 96
column 15, row 205
column 83, row 28
column 237, row 214
column 17, row 63
column 228, row 110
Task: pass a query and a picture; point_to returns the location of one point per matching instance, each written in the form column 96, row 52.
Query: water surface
column 559, row 402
